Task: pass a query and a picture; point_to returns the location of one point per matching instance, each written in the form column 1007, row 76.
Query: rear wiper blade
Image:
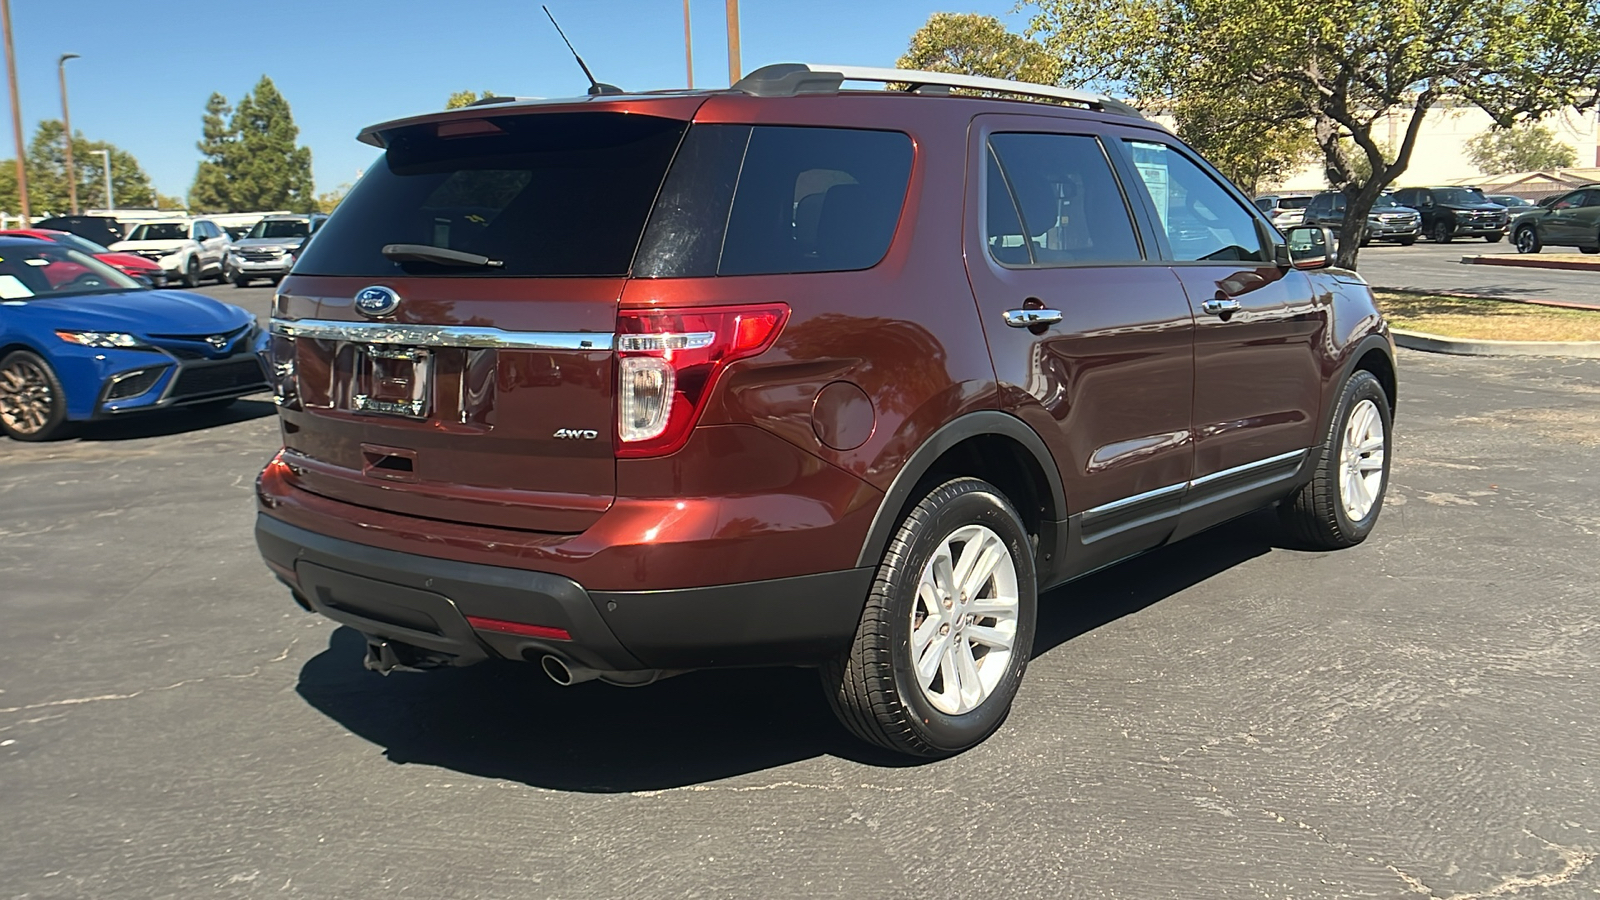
column 439, row 255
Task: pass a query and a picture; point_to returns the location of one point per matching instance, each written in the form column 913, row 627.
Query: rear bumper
column 425, row 602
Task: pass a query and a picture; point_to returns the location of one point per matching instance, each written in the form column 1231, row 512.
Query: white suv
column 188, row 249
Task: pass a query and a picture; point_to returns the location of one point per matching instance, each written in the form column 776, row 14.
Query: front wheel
column 1340, row 504
column 947, row 629
column 1442, row 233
column 191, row 273
column 33, row 406
column 1527, row 239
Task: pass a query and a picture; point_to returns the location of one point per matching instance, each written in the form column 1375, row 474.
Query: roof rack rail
column 790, row 79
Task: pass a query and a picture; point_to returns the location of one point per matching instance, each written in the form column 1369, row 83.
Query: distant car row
column 1448, row 212
column 187, row 250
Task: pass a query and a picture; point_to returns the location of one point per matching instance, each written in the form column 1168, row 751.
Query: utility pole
column 16, row 115
column 111, row 202
column 688, row 44
column 734, row 72
column 66, row 123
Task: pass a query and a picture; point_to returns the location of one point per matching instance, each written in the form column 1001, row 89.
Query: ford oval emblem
column 376, row 302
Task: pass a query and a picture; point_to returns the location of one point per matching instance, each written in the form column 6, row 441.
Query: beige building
column 1440, row 156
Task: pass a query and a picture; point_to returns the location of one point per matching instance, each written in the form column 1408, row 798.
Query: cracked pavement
column 1416, row 717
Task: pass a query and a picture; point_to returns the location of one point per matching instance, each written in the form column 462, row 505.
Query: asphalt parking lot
column 1419, row 716
column 1426, row 266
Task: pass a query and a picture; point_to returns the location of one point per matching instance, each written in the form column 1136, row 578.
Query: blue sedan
column 81, row 341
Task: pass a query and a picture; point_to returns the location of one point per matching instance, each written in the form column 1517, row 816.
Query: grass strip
column 1486, row 320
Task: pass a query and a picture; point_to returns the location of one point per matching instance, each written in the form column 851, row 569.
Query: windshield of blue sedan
column 52, row 271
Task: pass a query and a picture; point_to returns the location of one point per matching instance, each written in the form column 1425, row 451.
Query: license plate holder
column 392, row 380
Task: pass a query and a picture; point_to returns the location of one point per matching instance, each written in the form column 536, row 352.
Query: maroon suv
column 786, row 374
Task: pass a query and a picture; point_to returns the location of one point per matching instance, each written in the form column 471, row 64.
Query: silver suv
column 268, row 250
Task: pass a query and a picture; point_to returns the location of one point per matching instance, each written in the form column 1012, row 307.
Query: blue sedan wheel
column 33, row 407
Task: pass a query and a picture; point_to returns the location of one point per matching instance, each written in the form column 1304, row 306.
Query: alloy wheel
column 26, row 400
column 1527, row 241
column 964, row 620
column 1361, row 460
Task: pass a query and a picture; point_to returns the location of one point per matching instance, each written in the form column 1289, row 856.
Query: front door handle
column 1221, row 306
column 1029, row 318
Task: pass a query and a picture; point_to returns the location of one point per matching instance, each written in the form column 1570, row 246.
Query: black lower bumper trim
column 423, row 602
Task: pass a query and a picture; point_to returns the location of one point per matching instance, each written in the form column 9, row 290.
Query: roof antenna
column 595, row 87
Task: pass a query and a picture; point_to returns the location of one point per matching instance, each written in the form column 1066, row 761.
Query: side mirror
column 1310, row 247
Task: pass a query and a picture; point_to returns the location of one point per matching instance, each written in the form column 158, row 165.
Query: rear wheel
column 1527, row 240
column 1340, row 504
column 947, row 629
column 191, row 273
column 33, row 406
column 1594, row 249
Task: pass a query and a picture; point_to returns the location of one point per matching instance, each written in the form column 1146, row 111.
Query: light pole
column 688, row 44
column 16, row 114
column 111, row 202
column 734, row 74
column 66, row 123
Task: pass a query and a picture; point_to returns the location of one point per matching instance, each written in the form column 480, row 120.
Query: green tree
column 1248, row 138
column 46, row 166
column 264, row 166
column 972, row 44
column 328, row 201
column 1343, row 65
column 209, row 193
column 1526, row 148
column 466, row 98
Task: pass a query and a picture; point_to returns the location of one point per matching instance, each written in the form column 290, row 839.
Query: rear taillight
column 668, row 361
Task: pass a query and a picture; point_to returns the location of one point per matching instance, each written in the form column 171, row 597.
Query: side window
column 815, row 200
column 1339, row 201
column 1067, row 201
column 1264, row 204
column 1202, row 221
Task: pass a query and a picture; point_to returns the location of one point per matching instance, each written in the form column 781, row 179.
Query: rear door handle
column 1028, row 318
column 1222, row 306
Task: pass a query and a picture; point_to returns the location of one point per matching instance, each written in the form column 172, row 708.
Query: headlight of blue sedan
column 105, row 340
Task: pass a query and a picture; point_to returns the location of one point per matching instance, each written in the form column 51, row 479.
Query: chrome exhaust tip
column 564, row 673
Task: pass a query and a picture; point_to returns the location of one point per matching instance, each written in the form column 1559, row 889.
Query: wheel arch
column 994, row 446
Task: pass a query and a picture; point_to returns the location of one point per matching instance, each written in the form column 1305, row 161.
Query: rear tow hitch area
column 385, row 656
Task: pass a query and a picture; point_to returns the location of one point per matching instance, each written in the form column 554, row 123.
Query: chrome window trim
column 442, row 335
column 1160, row 492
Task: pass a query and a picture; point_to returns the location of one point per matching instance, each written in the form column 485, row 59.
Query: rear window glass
column 769, row 200
column 558, row 194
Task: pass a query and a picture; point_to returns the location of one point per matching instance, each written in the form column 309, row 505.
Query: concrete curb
column 1532, row 261
column 1435, row 343
column 1526, row 301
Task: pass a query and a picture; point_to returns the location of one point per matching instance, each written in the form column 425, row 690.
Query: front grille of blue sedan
column 132, row 384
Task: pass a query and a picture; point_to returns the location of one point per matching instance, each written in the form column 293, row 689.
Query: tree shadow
column 508, row 721
column 168, row 422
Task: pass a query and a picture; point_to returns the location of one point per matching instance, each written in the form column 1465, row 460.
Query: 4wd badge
column 576, row 434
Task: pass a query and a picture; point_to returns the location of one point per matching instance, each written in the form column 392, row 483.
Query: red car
column 127, row 263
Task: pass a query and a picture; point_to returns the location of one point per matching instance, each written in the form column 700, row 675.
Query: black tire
column 1406, row 242
column 222, row 274
column 1589, row 249
column 1442, row 232
column 240, row 281
column 1527, row 240
column 191, row 273
column 27, row 380
column 1493, row 238
column 873, row 688
column 1315, row 516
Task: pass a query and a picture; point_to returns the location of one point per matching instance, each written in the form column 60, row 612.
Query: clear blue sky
column 147, row 69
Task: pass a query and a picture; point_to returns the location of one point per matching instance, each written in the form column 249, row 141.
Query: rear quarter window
column 766, row 200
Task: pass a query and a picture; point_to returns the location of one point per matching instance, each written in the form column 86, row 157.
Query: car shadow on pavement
column 509, row 721
column 169, row 422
